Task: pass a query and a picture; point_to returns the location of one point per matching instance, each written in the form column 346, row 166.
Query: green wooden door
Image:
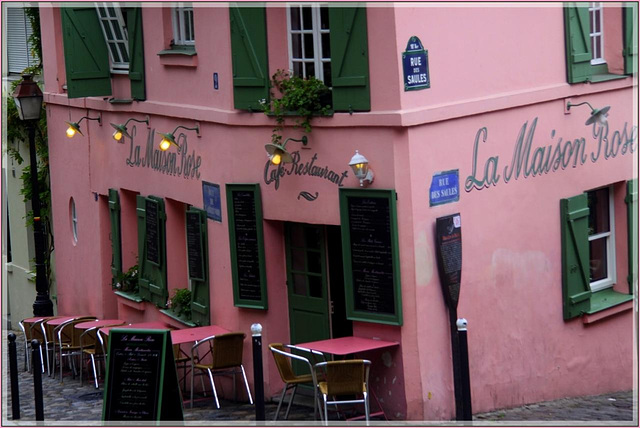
column 307, row 282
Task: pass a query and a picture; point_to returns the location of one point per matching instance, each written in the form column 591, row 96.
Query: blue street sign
column 211, row 200
column 415, row 66
column 445, row 188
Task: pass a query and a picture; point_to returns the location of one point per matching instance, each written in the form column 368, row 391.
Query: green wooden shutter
column 116, row 241
column 574, row 221
column 632, row 231
column 152, row 277
column 200, row 286
column 249, row 57
column 578, row 43
column 349, row 58
column 136, row 53
column 85, row 53
column 630, row 39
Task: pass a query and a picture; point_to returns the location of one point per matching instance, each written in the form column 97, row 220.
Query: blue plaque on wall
column 445, row 188
column 415, row 66
column 211, row 200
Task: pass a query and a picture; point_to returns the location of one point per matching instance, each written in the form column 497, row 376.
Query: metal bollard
column 13, row 369
column 464, row 369
column 37, row 379
column 258, row 379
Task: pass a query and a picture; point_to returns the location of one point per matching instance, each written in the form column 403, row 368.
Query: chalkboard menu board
column 152, row 231
column 141, row 382
column 194, row 246
column 371, row 255
column 449, row 252
column 247, row 245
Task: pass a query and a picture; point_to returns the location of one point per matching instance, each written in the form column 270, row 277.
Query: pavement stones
column 69, row 403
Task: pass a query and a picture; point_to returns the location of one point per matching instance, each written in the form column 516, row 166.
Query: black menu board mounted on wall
column 195, row 251
column 449, row 250
column 152, row 235
column 371, row 257
column 248, row 271
column 141, row 383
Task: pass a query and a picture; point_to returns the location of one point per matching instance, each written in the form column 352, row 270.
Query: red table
column 58, row 321
column 99, row 323
column 151, row 325
column 351, row 345
column 196, row 334
column 347, row 345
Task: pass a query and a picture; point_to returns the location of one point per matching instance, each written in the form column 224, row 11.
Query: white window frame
column 119, row 44
column 596, row 37
column 610, row 280
column 316, row 31
column 182, row 21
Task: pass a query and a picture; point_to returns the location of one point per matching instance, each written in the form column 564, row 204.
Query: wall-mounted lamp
column 74, row 127
column 278, row 153
column 597, row 115
column 360, row 166
column 121, row 129
column 169, row 139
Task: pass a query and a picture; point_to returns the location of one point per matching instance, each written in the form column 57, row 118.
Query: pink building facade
column 547, row 280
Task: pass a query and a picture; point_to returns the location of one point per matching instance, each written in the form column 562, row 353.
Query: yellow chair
column 226, row 359
column 283, row 362
column 345, row 378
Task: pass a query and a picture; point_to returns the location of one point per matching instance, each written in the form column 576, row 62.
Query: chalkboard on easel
column 141, row 381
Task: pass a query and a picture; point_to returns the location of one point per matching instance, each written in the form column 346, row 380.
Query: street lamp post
column 28, row 98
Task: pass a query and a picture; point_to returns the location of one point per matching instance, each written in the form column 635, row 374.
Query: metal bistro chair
column 226, row 358
column 283, row 362
column 91, row 344
column 345, row 377
column 69, row 344
column 31, row 330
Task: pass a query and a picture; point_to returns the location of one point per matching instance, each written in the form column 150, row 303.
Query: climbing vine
column 17, row 133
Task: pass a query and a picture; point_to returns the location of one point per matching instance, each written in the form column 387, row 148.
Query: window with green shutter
column 631, row 38
column 115, row 236
column 94, row 37
column 585, row 30
column 249, row 56
column 198, row 264
column 588, row 253
column 152, row 250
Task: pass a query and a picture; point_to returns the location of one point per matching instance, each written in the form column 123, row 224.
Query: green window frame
column 632, row 227
column 359, row 314
column 199, row 280
column 577, row 296
column 578, row 44
column 87, row 57
column 152, row 274
column 252, row 218
column 349, row 57
column 115, row 235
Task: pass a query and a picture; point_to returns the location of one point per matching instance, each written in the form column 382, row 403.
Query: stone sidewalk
column 69, row 404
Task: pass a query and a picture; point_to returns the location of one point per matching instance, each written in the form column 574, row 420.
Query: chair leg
column 246, row 383
column 293, row 394
column 95, row 372
column 326, row 413
column 213, row 386
column 366, row 408
column 284, row 391
column 192, row 370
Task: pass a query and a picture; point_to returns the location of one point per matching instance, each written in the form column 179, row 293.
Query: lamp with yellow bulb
column 278, row 153
column 169, row 139
column 121, row 129
column 360, row 166
column 74, row 127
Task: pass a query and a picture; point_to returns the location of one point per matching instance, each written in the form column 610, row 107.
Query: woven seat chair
column 68, row 342
column 91, row 346
column 50, row 340
column 226, row 359
column 283, row 357
column 182, row 361
column 344, row 378
column 31, row 330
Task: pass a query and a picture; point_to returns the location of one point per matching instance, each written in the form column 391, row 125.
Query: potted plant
column 180, row 303
column 296, row 96
column 127, row 281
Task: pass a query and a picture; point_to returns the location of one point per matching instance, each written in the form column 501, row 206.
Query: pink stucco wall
column 497, row 66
